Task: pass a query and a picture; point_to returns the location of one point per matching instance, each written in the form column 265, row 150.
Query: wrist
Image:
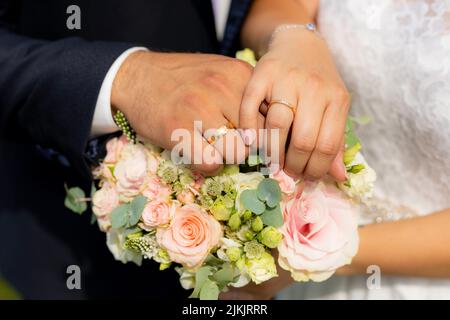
column 294, row 35
column 126, row 84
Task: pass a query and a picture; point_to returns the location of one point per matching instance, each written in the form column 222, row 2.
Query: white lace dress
column 394, row 56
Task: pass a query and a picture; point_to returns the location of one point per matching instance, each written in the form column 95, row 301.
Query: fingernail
column 344, row 169
column 249, row 136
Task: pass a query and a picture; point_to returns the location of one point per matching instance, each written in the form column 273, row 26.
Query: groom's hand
column 162, row 92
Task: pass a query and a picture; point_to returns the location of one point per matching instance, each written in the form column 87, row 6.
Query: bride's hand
column 298, row 70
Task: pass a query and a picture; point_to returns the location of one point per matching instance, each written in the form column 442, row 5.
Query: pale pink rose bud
column 186, row 197
column 287, row 184
column 156, row 190
column 131, row 171
column 114, row 148
column 156, row 213
column 105, row 200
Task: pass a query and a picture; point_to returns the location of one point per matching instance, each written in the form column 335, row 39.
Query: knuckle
column 327, row 148
column 277, row 122
column 314, row 81
column 241, row 67
column 293, row 74
column 313, row 174
column 342, row 96
column 215, row 81
column 303, row 145
column 191, row 100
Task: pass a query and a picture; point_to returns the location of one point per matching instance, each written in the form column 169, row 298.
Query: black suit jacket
column 50, row 77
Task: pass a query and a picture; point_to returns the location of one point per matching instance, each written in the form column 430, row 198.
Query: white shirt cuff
column 103, row 122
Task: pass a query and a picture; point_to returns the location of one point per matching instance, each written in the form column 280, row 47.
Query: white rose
column 360, row 185
column 224, row 245
column 187, row 278
column 115, row 240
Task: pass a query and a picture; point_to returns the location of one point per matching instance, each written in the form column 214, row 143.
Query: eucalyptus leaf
column 250, row 201
column 201, row 276
column 75, row 200
column 270, row 192
column 224, row 275
column 136, row 208
column 273, row 217
column 93, row 218
column 209, row 291
column 120, row 216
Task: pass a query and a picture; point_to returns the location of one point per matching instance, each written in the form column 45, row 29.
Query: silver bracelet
column 309, row 26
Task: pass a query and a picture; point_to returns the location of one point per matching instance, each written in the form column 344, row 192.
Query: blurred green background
column 7, row 292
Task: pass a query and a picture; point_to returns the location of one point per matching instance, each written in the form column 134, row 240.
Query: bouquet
column 220, row 231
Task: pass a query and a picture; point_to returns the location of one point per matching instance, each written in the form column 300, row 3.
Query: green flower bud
column 257, row 224
column 240, row 264
column 247, row 215
column 254, row 249
column 220, row 211
column 249, row 235
column 233, row 253
column 164, row 266
column 270, row 237
column 234, row 222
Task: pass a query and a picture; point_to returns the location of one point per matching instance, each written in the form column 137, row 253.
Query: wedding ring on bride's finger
column 219, row 133
column 283, row 103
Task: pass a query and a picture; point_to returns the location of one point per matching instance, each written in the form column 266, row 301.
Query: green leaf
column 351, row 139
column 224, row 275
column 356, row 168
column 212, row 260
column 136, row 207
column 273, row 217
column 201, row 276
column 93, row 218
column 350, row 154
column 250, row 201
column 120, row 216
column 209, row 291
column 270, row 192
column 75, row 200
column 93, row 190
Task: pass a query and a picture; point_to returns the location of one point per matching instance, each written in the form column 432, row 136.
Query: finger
column 254, row 94
column 232, row 147
column 279, row 120
column 305, row 130
column 328, row 142
column 194, row 150
column 337, row 169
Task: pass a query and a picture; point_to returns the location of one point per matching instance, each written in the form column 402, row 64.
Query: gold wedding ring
column 284, row 103
column 220, row 132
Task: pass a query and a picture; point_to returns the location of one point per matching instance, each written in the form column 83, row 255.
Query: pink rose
column 114, row 148
column 287, row 184
column 131, row 171
column 199, row 179
column 191, row 236
column 156, row 213
column 186, row 197
column 104, row 202
column 152, row 163
column 155, row 190
column 320, row 233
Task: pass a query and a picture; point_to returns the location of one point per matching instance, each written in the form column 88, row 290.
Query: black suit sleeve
column 48, row 89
